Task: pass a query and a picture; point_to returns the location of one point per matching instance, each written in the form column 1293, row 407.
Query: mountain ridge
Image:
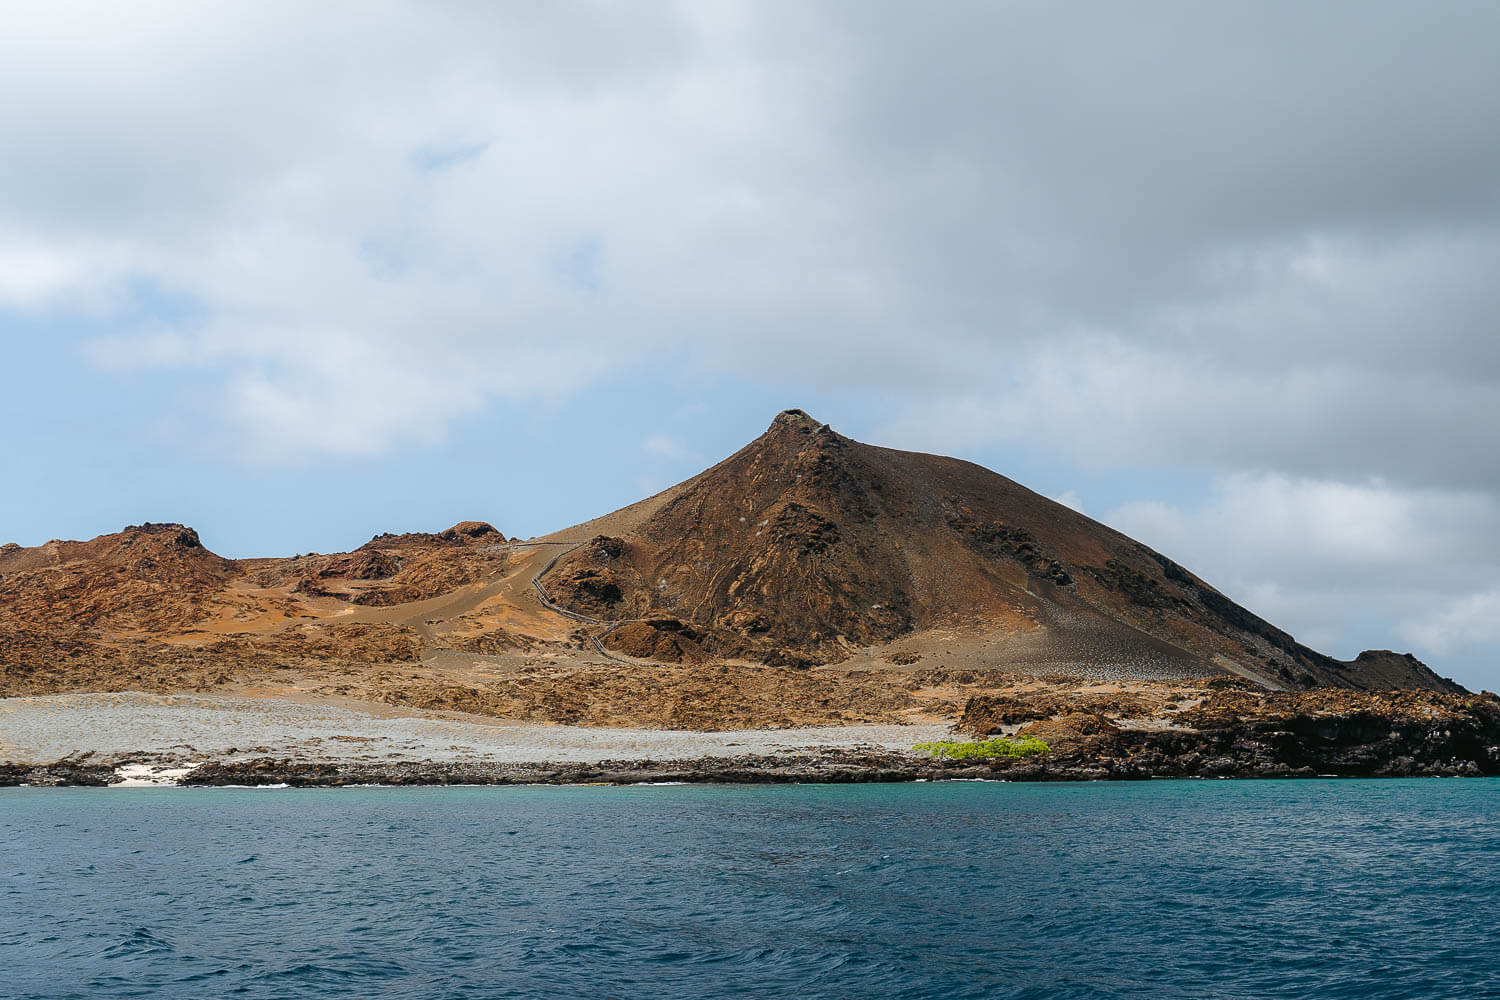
column 803, row 548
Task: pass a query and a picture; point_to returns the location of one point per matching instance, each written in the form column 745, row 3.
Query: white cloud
column 1264, row 521
column 1470, row 621
column 1108, row 402
column 866, row 196
column 1326, row 559
column 32, row 275
column 1071, row 499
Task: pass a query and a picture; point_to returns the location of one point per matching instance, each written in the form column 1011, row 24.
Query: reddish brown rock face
column 805, row 545
column 149, row 576
column 470, row 531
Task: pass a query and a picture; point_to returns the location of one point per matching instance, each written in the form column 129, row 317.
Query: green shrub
column 1000, row 746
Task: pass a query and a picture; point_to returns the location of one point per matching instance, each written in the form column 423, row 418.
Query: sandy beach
column 174, row 729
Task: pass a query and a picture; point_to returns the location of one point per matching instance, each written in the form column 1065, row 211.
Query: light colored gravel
column 187, row 727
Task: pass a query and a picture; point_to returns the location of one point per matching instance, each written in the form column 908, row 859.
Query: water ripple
column 1160, row 889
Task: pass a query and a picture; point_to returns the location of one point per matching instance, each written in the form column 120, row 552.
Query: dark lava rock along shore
column 1294, row 747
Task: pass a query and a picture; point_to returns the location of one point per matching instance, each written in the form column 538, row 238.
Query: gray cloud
column 1317, row 556
column 1251, row 239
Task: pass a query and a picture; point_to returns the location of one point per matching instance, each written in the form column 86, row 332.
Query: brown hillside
column 391, row 569
column 888, row 568
column 806, row 545
column 148, row 577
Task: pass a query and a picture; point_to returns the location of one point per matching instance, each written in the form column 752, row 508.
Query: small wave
column 255, row 787
column 1276, row 890
column 151, row 775
column 141, row 941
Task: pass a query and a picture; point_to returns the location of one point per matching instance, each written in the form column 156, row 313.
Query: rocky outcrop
column 1236, row 732
column 1380, row 668
column 664, row 640
column 470, row 531
column 391, row 569
column 354, row 642
column 491, row 642
column 47, row 663
column 698, row 697
column 148, row 577
column 1069, row 727
column 987, row 715
column 462, row 533
column 995, row 540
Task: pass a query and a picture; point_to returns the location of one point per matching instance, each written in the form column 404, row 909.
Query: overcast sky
column 1225, row 276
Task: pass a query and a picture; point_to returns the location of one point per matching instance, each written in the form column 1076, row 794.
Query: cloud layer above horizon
column 1251, row 247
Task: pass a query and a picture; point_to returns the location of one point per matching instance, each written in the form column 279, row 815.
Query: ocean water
column 1163, row 889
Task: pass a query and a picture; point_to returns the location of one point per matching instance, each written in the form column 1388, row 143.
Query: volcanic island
column 809, row 609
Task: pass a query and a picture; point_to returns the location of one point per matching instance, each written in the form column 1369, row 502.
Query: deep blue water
column 1164, row 889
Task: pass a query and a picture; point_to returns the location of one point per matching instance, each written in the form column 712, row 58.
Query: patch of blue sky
column 148, row 300
column 385, row 260
column 581, row 264
column 76, row 437
column 442, row 156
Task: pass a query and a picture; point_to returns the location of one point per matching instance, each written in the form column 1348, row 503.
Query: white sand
column 183, row 728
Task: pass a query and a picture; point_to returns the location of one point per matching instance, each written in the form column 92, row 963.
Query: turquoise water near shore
column 1159, row 889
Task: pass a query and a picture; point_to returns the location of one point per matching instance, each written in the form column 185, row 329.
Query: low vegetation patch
column 1000, row 746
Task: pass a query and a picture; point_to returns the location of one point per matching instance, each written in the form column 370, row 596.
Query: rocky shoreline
column 1224, row 732
column 1249, row 752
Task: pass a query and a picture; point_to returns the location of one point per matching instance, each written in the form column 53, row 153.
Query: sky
column 1222, row 276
